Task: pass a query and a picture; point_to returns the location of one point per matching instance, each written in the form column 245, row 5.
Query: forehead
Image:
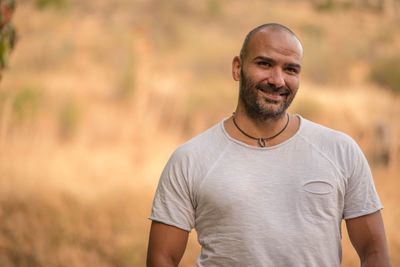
column 277, row 43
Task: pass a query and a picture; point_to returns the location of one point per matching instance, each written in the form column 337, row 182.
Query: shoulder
column 341, row 149
column 207, row 141
column 201, row 150
column 321, row 135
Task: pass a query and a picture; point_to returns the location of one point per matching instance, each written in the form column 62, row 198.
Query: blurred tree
column 7, row 32
column 386, row 72
column 323, row 4
column 42, row 4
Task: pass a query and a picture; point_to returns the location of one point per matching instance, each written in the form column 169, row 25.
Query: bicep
column 166, row 245
column 367, row 235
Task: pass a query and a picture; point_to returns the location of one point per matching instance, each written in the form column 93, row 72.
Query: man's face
column 269, row 74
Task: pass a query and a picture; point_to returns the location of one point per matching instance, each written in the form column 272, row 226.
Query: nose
column 276, row 77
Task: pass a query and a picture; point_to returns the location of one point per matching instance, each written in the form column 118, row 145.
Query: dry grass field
column 99, row 93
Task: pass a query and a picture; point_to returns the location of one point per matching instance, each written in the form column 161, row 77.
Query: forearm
column 166, row 245
column 376, row 259
column 368, row 237
column 160, row 261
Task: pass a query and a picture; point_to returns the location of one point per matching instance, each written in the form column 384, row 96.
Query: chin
column 273, row 109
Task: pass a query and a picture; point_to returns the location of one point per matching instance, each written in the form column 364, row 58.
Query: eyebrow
column 292, row 65
column 264, row 58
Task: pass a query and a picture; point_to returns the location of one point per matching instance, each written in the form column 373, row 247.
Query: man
column 265, row 187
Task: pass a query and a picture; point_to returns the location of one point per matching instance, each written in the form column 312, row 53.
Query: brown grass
column 99, row 93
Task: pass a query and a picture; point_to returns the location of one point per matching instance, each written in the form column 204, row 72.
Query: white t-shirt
column 272, row 206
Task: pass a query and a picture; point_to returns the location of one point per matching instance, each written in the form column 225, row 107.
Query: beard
column 260, row 108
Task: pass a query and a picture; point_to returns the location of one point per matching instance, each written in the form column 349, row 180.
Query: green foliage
column 7, row 31
column 214, row 7
column 325, row 5
column 386, row 72
column 4, row 100
column 42, row 4
column 3, row 97
column 68, row 119
column 7, row 42
column 26, row 104
column 126, row 87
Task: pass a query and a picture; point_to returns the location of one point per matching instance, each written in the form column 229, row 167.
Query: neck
column 260, row 126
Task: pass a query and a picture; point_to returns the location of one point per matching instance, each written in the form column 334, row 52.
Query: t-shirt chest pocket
column 318, row 201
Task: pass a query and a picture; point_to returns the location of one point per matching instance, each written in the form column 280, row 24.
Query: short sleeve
column 172, row 203
column 361, row 197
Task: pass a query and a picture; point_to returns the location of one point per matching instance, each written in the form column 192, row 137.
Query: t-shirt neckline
column 230, row 138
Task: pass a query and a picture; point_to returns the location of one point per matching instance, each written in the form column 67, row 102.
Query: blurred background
column 97, row 94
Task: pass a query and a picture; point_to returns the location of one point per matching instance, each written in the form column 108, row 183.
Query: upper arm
column 367, row 235
column 166, row 245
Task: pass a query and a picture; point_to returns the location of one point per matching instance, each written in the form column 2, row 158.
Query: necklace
column 260, row 140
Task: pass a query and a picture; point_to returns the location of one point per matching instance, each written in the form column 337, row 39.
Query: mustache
column 269, row 88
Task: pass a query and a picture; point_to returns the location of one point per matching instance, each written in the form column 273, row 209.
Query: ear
column 236, row 66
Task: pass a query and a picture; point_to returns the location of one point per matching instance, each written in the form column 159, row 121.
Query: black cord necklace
column 261, row 140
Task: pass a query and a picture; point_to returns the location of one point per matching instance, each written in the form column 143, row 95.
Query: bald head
column 266, row 27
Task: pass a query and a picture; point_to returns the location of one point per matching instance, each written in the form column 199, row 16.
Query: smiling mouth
column 284, row 93
column 273, row 91
column 272, row 97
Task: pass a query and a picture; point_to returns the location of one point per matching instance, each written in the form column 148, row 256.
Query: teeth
column 274, row 93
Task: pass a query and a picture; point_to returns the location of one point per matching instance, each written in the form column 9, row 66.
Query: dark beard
column 248, row 95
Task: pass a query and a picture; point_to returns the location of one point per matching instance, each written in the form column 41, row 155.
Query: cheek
column 293, row 84
column 256, row 75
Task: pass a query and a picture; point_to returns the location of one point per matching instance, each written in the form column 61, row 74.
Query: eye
column 291, row 70
column 264, row 63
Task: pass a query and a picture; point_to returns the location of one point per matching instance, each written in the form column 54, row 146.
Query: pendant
column 261, row 142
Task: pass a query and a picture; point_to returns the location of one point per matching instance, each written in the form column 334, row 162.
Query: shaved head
column 267, row 26
column 268, row 70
